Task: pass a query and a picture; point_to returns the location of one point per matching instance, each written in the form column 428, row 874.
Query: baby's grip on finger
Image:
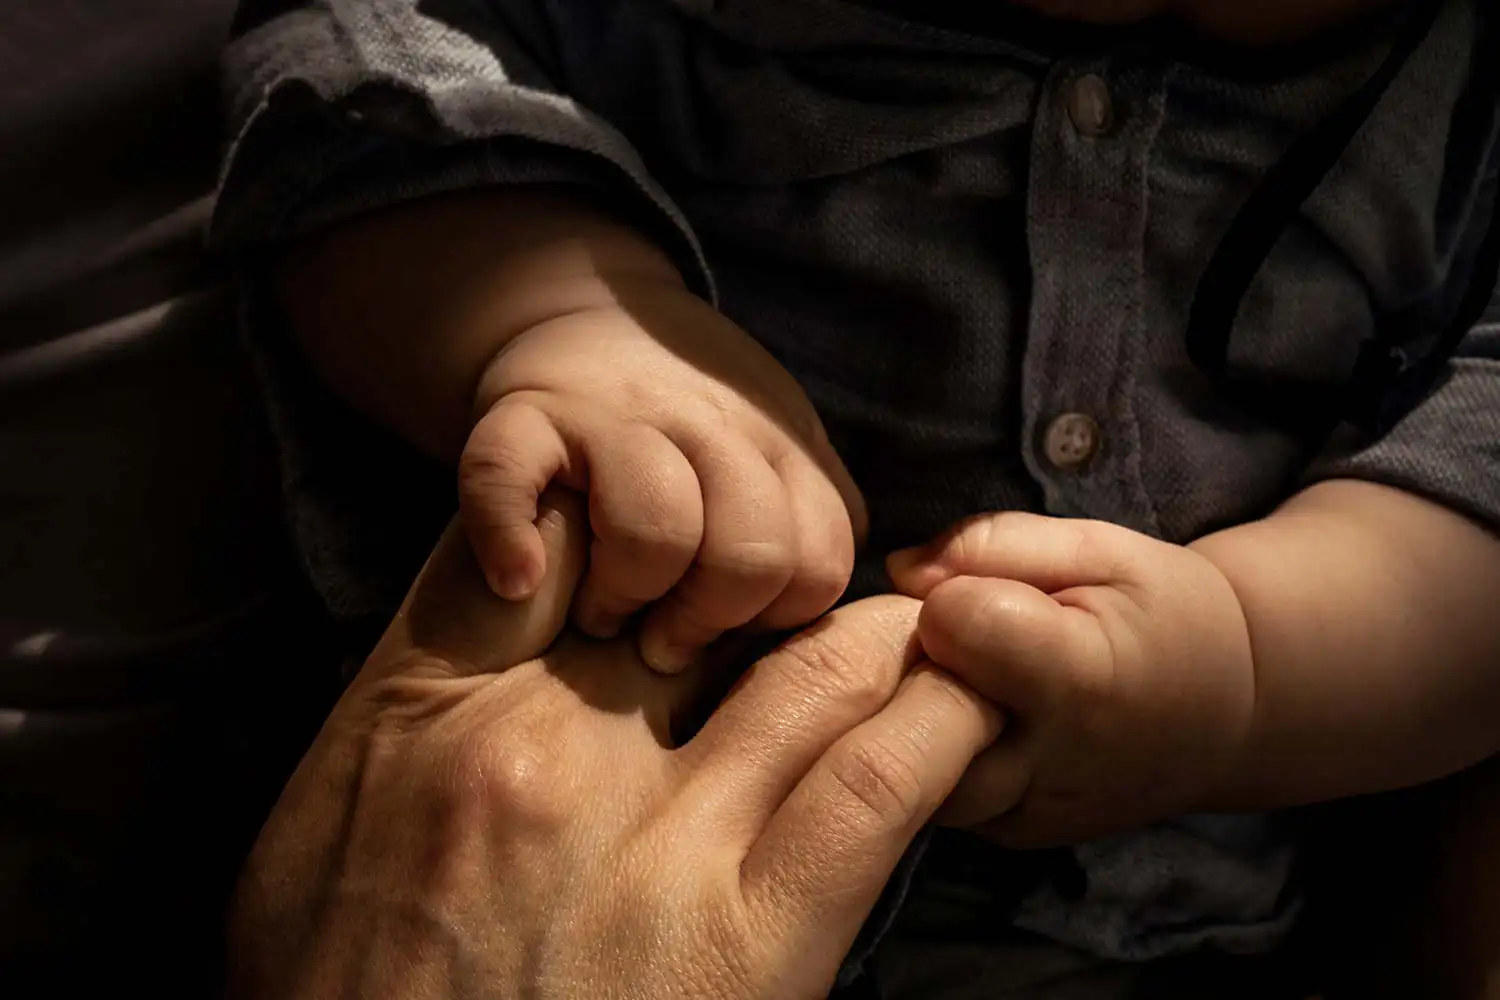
column 825, row 856
column 797, row 701
column 994, row 785
column 513, row 454
column 450, row 614
column 1009, row 641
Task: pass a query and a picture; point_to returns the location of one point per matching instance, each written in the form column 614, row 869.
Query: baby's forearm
column 1374, row 618
column 401, row 311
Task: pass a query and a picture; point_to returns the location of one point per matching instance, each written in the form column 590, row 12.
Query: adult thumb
column 452, row 618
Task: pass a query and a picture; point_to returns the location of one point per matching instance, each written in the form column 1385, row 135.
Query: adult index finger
column 796, row 703
column 823, row 859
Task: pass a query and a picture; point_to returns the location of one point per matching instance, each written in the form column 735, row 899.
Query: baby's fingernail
column 665, row 658
column 915, row 571
column 598, row 624
column 903, row 562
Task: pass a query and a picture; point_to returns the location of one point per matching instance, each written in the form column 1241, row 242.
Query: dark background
column 160, row 664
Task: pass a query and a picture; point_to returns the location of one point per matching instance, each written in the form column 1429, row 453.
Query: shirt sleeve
column 1447, row 447
column 339, row 107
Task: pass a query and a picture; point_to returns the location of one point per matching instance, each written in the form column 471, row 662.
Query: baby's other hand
column 1123, row 664
column 714, row 494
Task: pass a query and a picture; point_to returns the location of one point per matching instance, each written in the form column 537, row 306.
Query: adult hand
column 475, row 821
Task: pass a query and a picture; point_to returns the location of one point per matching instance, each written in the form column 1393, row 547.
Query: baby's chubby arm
column 1374, row 616
column 531, row 338
column 1348, row 643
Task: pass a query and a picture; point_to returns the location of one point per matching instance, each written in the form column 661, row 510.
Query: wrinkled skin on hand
column 490, row 814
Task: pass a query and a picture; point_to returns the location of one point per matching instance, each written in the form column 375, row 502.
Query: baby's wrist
column 402, row 311
column 1223, row 784
column 603, row 300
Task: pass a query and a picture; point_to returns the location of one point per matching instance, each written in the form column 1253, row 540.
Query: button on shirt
column 961, row 245
column 1090, row 106
column 1071, row 440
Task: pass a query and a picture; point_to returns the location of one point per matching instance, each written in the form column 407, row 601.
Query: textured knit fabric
column 913, row 220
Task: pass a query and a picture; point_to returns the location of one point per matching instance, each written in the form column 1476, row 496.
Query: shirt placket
column 1087, row 201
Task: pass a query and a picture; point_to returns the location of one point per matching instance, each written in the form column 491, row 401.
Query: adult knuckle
column 515, row 777
column 881, row 780
column 949, row 699
column 851, row 679
column 409, row 698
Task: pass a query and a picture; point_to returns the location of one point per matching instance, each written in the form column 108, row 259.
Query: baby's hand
column 1123, row 664
column 713, row 490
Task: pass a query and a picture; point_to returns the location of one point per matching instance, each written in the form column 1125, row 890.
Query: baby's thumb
column 1048, row 553
column 1007, row 640
column 512, row 456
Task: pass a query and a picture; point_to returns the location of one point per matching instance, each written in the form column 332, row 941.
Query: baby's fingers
column 825, row 531
column 514, row 452
column 748, row 555
column 646, row 511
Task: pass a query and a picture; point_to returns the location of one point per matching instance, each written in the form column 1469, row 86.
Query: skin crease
column 1264, row 22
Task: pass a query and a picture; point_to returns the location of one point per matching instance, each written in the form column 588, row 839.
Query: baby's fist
column 714, row 495
column 1123, row 664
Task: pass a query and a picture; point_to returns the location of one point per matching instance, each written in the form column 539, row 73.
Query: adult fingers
column 450, row 623
column 827, row 853
column 797, row 702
